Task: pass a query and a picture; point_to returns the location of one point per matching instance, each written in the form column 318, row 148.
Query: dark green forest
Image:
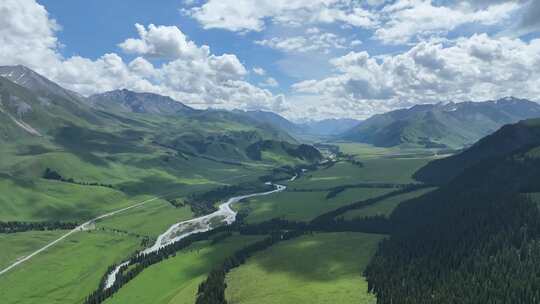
column 474, row 240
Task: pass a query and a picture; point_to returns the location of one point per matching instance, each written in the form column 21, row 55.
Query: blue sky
column 315, row 58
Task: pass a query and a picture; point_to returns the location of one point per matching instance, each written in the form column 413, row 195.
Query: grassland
column 137, row 220
column 386, row 206
column 16, row 245
column 137, row 173
column 175, row 280
column 380, row 170
column 301, row 206
column 67, row 272
column 307, row 205
column 77, row 264
column 322, row 268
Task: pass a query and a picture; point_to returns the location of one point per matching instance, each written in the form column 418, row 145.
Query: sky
column 304, row 59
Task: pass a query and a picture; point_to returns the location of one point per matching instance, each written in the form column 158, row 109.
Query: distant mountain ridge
column 318, row 129
column 32, row 106
column 453, row 125
column 136, row 102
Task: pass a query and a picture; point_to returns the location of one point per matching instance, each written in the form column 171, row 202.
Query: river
column 224, row 215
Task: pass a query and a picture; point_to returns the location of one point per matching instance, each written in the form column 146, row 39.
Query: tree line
column 330, row 215
column 212, row 290
column 54, row 175
column 16, row 226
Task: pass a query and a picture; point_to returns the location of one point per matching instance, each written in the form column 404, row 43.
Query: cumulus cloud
column 405, row 20
column 475, row 68
column 166, row 42
column 27, row 34
column 248, row 15
column 188, row 72
column 312, row 42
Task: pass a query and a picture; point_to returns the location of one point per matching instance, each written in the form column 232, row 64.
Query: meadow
column 374, row 170
column 77, row 263
column 319, row 268
column 306, row 197
column 384, row 207
column 16, row 245
column 175, row 280
column 301, row 206
column 67, row 272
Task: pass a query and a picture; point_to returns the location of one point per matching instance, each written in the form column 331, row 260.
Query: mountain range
column 311, row 130
column 35, row 111
column 451, row 125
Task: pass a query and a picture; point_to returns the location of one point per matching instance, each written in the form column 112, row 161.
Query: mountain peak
column 33, row 81
column 130, row 101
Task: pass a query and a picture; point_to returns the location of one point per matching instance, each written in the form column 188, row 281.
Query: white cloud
column 163, row 42
column 259, row 71
column 355, row 42
column 248, row 15
column 475, row 68
column 405, row 20
column 27, row 34
column 269, row 82
column 189, row 73
column 323, row 42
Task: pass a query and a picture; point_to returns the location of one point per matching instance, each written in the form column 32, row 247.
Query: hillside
column 452, row 125
column 146, row 145
column 482, row 222
column 28, row 113
column 508, row 139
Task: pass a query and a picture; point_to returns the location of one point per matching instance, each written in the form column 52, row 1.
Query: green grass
column 18, row 245
column 301, row 206
column 136, row 220
column 175, row 280
column 67, row 272
column 384, row 207
column 323, row 268
column 31, row 198
column 401, row 151
column 51, row 200
column 381, row 170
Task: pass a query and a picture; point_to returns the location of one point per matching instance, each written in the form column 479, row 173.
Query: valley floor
column 319, row 268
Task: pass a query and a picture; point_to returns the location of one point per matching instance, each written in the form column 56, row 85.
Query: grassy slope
column 51, row 200
column 176, row 279
column 32, row 198
column 323, row 268
column 302, row 206
column 382, row 170
column 386, row 206
column 16, row 245
column 67, row 272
